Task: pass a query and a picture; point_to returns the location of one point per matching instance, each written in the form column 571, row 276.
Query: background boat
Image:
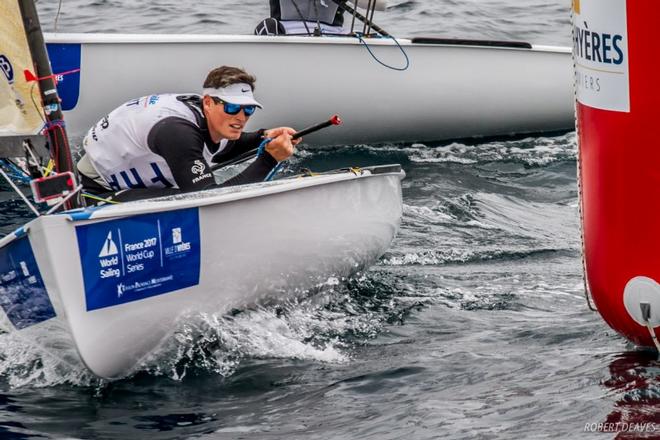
column 450, row 89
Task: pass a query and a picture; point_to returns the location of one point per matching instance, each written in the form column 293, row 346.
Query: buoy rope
column 583, row 254
column 653, row 336
column 358, row 35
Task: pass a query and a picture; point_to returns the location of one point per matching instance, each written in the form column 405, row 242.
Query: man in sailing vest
column 302, row 17
column 168, row 141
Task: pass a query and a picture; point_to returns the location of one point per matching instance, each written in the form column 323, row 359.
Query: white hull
column 449, row 91
column 255, row 241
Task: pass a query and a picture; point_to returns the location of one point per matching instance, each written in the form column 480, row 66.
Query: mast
column 57, row 137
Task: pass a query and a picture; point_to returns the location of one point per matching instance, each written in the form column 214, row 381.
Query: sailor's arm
column 282, row 144
column 181, row 144
column 278, row 149
column 250, row 141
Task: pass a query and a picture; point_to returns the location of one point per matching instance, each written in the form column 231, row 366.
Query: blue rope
column 53, row 124
column 262, row 146
column 274, row 171
column 260, row 152
column 400, row 69
column 15, row 172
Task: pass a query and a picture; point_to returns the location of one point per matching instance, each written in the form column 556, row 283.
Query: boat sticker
column 139, row 257
column 23, row 294
column 600, row 51
column 64, row 58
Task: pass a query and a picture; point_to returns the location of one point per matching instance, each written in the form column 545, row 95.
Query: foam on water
column 218, row 343
column 23, row 363
column 319, row 327
column 531, row 151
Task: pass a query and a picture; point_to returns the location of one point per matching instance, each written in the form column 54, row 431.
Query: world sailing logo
column 109, row 247
column 109, row 259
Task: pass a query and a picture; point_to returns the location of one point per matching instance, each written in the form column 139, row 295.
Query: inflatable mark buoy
column 618, row 123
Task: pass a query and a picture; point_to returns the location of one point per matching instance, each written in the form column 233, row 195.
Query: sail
column 20, row 103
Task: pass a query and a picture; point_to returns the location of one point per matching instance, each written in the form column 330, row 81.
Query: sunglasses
column 233, row 109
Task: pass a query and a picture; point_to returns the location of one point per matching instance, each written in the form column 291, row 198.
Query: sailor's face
column 221, row 124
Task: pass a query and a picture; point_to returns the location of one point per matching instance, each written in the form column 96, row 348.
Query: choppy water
column 473, row 325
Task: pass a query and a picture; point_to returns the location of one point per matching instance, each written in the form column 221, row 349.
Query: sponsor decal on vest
column 199, row 168
column 600, row 50
column 148, row 100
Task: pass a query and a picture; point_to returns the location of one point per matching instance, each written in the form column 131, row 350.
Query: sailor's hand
column 281, row 147
column 274, row 132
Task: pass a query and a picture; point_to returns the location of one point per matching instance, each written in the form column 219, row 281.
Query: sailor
column 302, row 17
column 169, row 140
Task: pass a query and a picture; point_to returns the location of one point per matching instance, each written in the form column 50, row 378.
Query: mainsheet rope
column 360, row 38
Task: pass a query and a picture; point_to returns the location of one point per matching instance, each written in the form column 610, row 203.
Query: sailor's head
column 228, row 101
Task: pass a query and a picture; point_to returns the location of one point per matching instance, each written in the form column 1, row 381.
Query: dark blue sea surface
column 474, row 325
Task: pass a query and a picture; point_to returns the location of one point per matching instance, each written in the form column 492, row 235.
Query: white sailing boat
column 109, row 283
column 419, row 89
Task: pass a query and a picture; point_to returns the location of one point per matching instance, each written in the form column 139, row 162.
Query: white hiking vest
column 117, row 145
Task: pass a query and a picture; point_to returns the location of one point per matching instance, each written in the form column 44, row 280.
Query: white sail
column 20, row 112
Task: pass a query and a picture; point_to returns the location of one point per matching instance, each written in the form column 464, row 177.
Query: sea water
column 473, row 325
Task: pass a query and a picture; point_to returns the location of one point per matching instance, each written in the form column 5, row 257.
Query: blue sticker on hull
column 139, row 257
column 63, row 58
column 23, row 294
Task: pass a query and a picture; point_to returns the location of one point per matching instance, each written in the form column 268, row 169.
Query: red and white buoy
column 618, row 104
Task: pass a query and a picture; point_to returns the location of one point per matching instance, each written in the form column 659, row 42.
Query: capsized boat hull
column 118, row 278
column 449, row 91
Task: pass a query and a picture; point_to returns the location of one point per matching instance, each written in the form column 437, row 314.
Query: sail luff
column 59, row 142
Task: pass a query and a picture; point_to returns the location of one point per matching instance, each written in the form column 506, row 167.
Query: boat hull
column 447, row 92
column 270, row 240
